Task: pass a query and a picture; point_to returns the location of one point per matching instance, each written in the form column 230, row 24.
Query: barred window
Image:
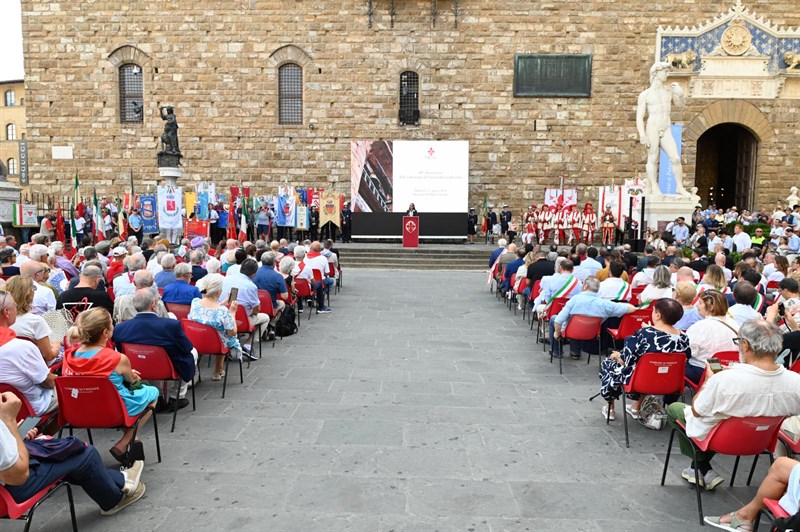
column 11, row 132
column 10, row 98
column 131, row 94
column 12, row 166
column 290, row 94
column 409, row 98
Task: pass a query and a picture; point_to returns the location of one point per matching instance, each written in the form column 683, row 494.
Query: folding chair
column 654, row 374
column 181, row 311
column 11, row 509
column 265, row 301
column 773, row 510
column 579, row 328
column 153, row 363
column 94, row 403
column 206, row 341
column 734, row 436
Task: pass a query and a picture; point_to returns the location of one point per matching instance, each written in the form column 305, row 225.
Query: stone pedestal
column 661, row 209
column 9, row 194
column 170, row 175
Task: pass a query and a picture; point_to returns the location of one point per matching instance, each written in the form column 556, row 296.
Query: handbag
column 652, row 414
column 54, row 449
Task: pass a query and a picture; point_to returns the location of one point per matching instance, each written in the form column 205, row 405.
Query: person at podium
column 412, row 210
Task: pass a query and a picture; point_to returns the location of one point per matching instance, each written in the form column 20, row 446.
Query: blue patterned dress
column 646, row 340
column 220, row 319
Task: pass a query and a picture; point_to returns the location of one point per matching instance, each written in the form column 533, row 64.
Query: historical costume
column 588, row 223
column 609, row 224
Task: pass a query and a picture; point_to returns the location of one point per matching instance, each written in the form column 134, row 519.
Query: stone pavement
column 420, row 404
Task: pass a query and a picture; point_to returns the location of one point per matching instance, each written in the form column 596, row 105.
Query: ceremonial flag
column 169, row 207
column 485, row 226
column 287, row 204
column 122, row 227
column 60, row 233
column 329, row 208
column 77, row 204
column 612, row 196
column 243, row 221
column 99, row 234
column 232, row 217
column 72, row 230
column 149, row 213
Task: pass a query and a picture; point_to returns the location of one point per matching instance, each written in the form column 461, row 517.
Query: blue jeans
column 86, row 470
column 328, row 283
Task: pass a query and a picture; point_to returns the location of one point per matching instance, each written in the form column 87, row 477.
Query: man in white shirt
column 744, row 296
column 769, row 264
column 720, row 260
column 741, row 239
column 23, row 256
column 615, row 288
column 739, row 391
column 44, row 299
column 645, row 276
column 123, row 284
column 562, row 284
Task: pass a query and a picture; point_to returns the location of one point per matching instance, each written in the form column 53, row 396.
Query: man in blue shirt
column 273, row 282
column 680, row 232
column 167, row 274
column 247, row 293
column 794, row 240
column 180, row 291
column 587, row 303
column 512, row 267
column 497, row 252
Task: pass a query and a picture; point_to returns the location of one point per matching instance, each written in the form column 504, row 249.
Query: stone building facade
column 218, row 63
column 12, row 121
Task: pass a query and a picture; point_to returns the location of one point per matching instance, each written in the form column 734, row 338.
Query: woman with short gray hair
column 661, row 286
column 209, row 312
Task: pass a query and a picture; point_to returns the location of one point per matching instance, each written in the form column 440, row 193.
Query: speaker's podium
column 410, row 231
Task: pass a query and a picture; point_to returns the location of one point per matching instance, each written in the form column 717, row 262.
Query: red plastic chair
column 630, row 323
column 180, row 310
column 726, row 357
column 654, row 374
column 523, row 284
column 26, row 410
column 11, row 509
column 580, row 328
column 535, row 291
column 304, row 291
column 94, row 403
column 332, row 275
column 509, row 298
column 160, row 292
column 153, row 363
column 773, row 510
column 773, row 285
column 206, row 341
column 265, row 301
column 635, row 293
column 243, row 327
column 747, row 436
column 554, row 308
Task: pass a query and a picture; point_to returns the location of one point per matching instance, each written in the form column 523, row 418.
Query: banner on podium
column 410, row 231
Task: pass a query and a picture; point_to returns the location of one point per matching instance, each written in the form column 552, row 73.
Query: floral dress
column 646, row 340
column 220, row 319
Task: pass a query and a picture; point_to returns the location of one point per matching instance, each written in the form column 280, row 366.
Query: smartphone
column 781, row 309
column 234, row 294
column 714, row 364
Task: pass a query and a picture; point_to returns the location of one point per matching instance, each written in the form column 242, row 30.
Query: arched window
column 12, row 166
column 10, row 98
column 409, row 98
column 11, row 132
column 131, row 94
column 290, row 94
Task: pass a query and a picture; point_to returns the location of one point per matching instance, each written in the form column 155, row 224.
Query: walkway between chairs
column 420, row 403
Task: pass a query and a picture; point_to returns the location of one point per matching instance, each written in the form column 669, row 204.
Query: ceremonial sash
column 624, row 292
column 568, row 287
column 759, row 302
column 724, row 291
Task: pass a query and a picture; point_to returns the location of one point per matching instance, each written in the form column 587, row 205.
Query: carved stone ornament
column 737, row 39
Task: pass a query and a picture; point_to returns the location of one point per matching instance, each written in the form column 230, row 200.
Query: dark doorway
column 726, row 166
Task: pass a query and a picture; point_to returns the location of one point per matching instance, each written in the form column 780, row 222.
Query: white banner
column 169, row 207
column 433, row 175
column 302, row 217
column 560, row 198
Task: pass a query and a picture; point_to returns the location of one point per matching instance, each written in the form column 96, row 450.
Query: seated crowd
column 698, row 308
column 63, row 318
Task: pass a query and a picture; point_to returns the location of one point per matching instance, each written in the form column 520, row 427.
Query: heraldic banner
column 149, row 213
column 287, row 207
column 169, row 207
column 329, row 206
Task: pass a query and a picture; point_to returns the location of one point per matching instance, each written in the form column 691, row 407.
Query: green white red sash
column 624, row 292
column 759, row 302
column 701, row 289
column 568, row 287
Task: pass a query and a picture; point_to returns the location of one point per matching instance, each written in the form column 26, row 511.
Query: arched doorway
column 726, row 166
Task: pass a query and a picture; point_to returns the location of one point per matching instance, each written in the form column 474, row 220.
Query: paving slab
column 419, row 404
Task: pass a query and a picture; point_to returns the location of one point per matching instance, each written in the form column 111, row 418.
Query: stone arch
column 730, row 111
column 290, row 54
column 128, row 54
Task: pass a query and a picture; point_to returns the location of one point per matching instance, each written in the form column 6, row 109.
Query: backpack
column 287, row 323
